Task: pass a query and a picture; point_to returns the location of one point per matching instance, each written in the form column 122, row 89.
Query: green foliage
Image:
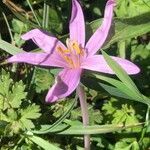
column 122, row 114
column 43, row 79
column 42, row 143
column 130, row 8
column 12, row 110
column 11, row 95
column 9, row 48
column 125, row 28
column 117, row 113
column 125, row 146
column 55, row 23
column 31, row 112
column 18, row 26
column 115, row 123
column 17, row 94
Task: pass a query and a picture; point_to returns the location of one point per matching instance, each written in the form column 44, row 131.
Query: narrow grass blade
column 9, row 48
column 120, row 73
column 35, row 16
column 58, row 122
column 115, row 91
column 123, row 76
column 42, row 143
column 96, row 129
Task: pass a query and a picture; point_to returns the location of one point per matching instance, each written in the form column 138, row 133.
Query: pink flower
column 75, row 56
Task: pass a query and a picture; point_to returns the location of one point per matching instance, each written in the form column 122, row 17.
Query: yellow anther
column 59, row 49
column 76, row 47
column 62, row 51
column 72, row 54
column 68, row 60
column 66, row 51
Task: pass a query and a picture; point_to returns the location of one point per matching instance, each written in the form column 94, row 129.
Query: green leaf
column 95, row 129
column 125, row 28
column 12, row 114
column 9, row 48
column 121, row 89
column 114, row 91
column 109, row 107
column 28, row 124
column 5, row 83
column 58, row 122
column 124, row 145
column 122, row 75
column 55, row 23
column 125, row 115
column 17, row 94
column 42, row 143
column 132, row 8
column 19, row 26
column 3, row 125
column 43, row 79
column 11, row 94
column 31, row 112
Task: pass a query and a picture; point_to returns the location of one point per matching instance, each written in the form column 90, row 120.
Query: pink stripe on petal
column 66, row 82
column 98, row 63
column 43, row 39
column 41, row 59
column 98, row 38
column 77, row 24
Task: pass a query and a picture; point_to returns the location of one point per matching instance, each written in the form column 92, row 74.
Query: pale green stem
column 122, row 49
column 145, row 126
column 85, row 116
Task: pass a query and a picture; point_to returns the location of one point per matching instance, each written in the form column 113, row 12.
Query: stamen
column 63, row 53
column 69, row 61
column 72, row 54
column 59, row 50
column 76, row 47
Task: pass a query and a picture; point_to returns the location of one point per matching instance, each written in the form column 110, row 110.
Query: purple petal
column 43, row 39
column 41, row 59
column 98, row 63
column 77, row 24
column 66, row 82
column 100, row 35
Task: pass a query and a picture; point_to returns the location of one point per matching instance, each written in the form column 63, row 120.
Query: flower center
column 72, row 55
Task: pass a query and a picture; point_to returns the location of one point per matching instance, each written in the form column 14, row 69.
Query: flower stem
column 85, row 116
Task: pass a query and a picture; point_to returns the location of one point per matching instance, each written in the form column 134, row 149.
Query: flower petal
column 43, row 39
column 41, row 59
column 66, row 82
column 98, row 63
column 98, row 38
column 77, row 24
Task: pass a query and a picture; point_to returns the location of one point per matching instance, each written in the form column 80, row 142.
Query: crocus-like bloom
column 75, row 56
